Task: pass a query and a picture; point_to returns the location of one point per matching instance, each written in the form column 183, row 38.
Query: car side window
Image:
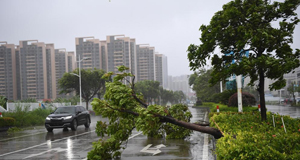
column 78, row 109
column 82, row 108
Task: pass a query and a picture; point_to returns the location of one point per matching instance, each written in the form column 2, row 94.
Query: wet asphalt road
column 197, row 147
column 37, row 143
column 293, row 112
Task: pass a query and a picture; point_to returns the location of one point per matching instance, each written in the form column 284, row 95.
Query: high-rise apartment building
column 51, row 71
column 145, row 62
column 18, row 74
column 161, row 68
column 165, row 71
column 179, row 83
column 8, row 83
column 71, row 61
column 120, row 51
column 103, row 51
column 89, row 49
column 33, row 70
column 61, row 67
column 133, row 58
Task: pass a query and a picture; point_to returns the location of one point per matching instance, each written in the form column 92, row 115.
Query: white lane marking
column 135, row 135
column 205, row 116
column 2, row 140
column 44, row 144
column 205, row 147
column 54, row 149
column 205, row 144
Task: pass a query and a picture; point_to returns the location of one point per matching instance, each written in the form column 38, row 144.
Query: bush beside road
column 247, row 137
column 25, row 118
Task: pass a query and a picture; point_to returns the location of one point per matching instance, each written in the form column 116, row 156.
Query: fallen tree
column 126, row 110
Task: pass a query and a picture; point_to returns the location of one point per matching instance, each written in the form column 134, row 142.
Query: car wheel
column 49, row 129
column 74, row 125
column 87, row 123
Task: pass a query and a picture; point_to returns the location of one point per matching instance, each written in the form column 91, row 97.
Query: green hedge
column 247, row 137
column 224, row 108
column 7, row 121
column 25, row 118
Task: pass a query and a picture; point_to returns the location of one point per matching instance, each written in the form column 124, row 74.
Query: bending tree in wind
column 263, row 28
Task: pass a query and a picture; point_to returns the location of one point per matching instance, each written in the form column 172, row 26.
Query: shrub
column 25, row 118
column 225, row 96
column 198, row 102
column 247, row 137
column 247, row 100
column 7, row 121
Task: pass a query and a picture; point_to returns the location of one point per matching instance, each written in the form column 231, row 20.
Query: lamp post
column 79, row 61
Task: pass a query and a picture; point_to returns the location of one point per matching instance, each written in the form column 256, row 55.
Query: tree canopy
column 199, row 82
column 149, row 89
column 126, row 110
column 293, row 88
column 91, row 83
column 262, row 28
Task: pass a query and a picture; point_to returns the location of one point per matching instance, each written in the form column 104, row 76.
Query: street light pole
column 79, row 60
column 79, row 76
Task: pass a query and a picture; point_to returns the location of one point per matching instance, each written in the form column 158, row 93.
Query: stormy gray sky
column 168, row 25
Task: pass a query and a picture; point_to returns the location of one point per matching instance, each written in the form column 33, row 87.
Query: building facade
column 120, row 51
column 51, row 71
column 8, row 81
column 145, row 62
column 88, row 48
column 161, row 70
column 61, row 67
column 33, row 71
column 71, row 61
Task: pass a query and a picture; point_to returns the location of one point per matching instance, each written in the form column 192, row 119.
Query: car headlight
column 47, row 118
column 68, row 117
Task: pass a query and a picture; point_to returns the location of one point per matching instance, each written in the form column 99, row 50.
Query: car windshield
column 61, row 110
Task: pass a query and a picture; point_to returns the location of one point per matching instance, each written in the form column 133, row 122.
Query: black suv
column 68, row 117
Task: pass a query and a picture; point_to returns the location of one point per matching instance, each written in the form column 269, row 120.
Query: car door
column 85, row 113
column 80, row 115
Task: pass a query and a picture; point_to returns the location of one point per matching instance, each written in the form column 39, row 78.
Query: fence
column 32, row 106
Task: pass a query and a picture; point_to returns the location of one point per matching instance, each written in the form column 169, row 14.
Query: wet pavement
column 37, row 143
column 197, row 147
column 293, row 112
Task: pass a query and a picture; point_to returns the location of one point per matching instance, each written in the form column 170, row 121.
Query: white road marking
column 160, row 145
column 205, row 147
column 54, row 149
column 155, row 150
column 135, row 135
column 44, row 144
column 2, row 140
column 205, row 144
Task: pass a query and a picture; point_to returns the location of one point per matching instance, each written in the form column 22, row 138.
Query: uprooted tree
column 126, row 110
